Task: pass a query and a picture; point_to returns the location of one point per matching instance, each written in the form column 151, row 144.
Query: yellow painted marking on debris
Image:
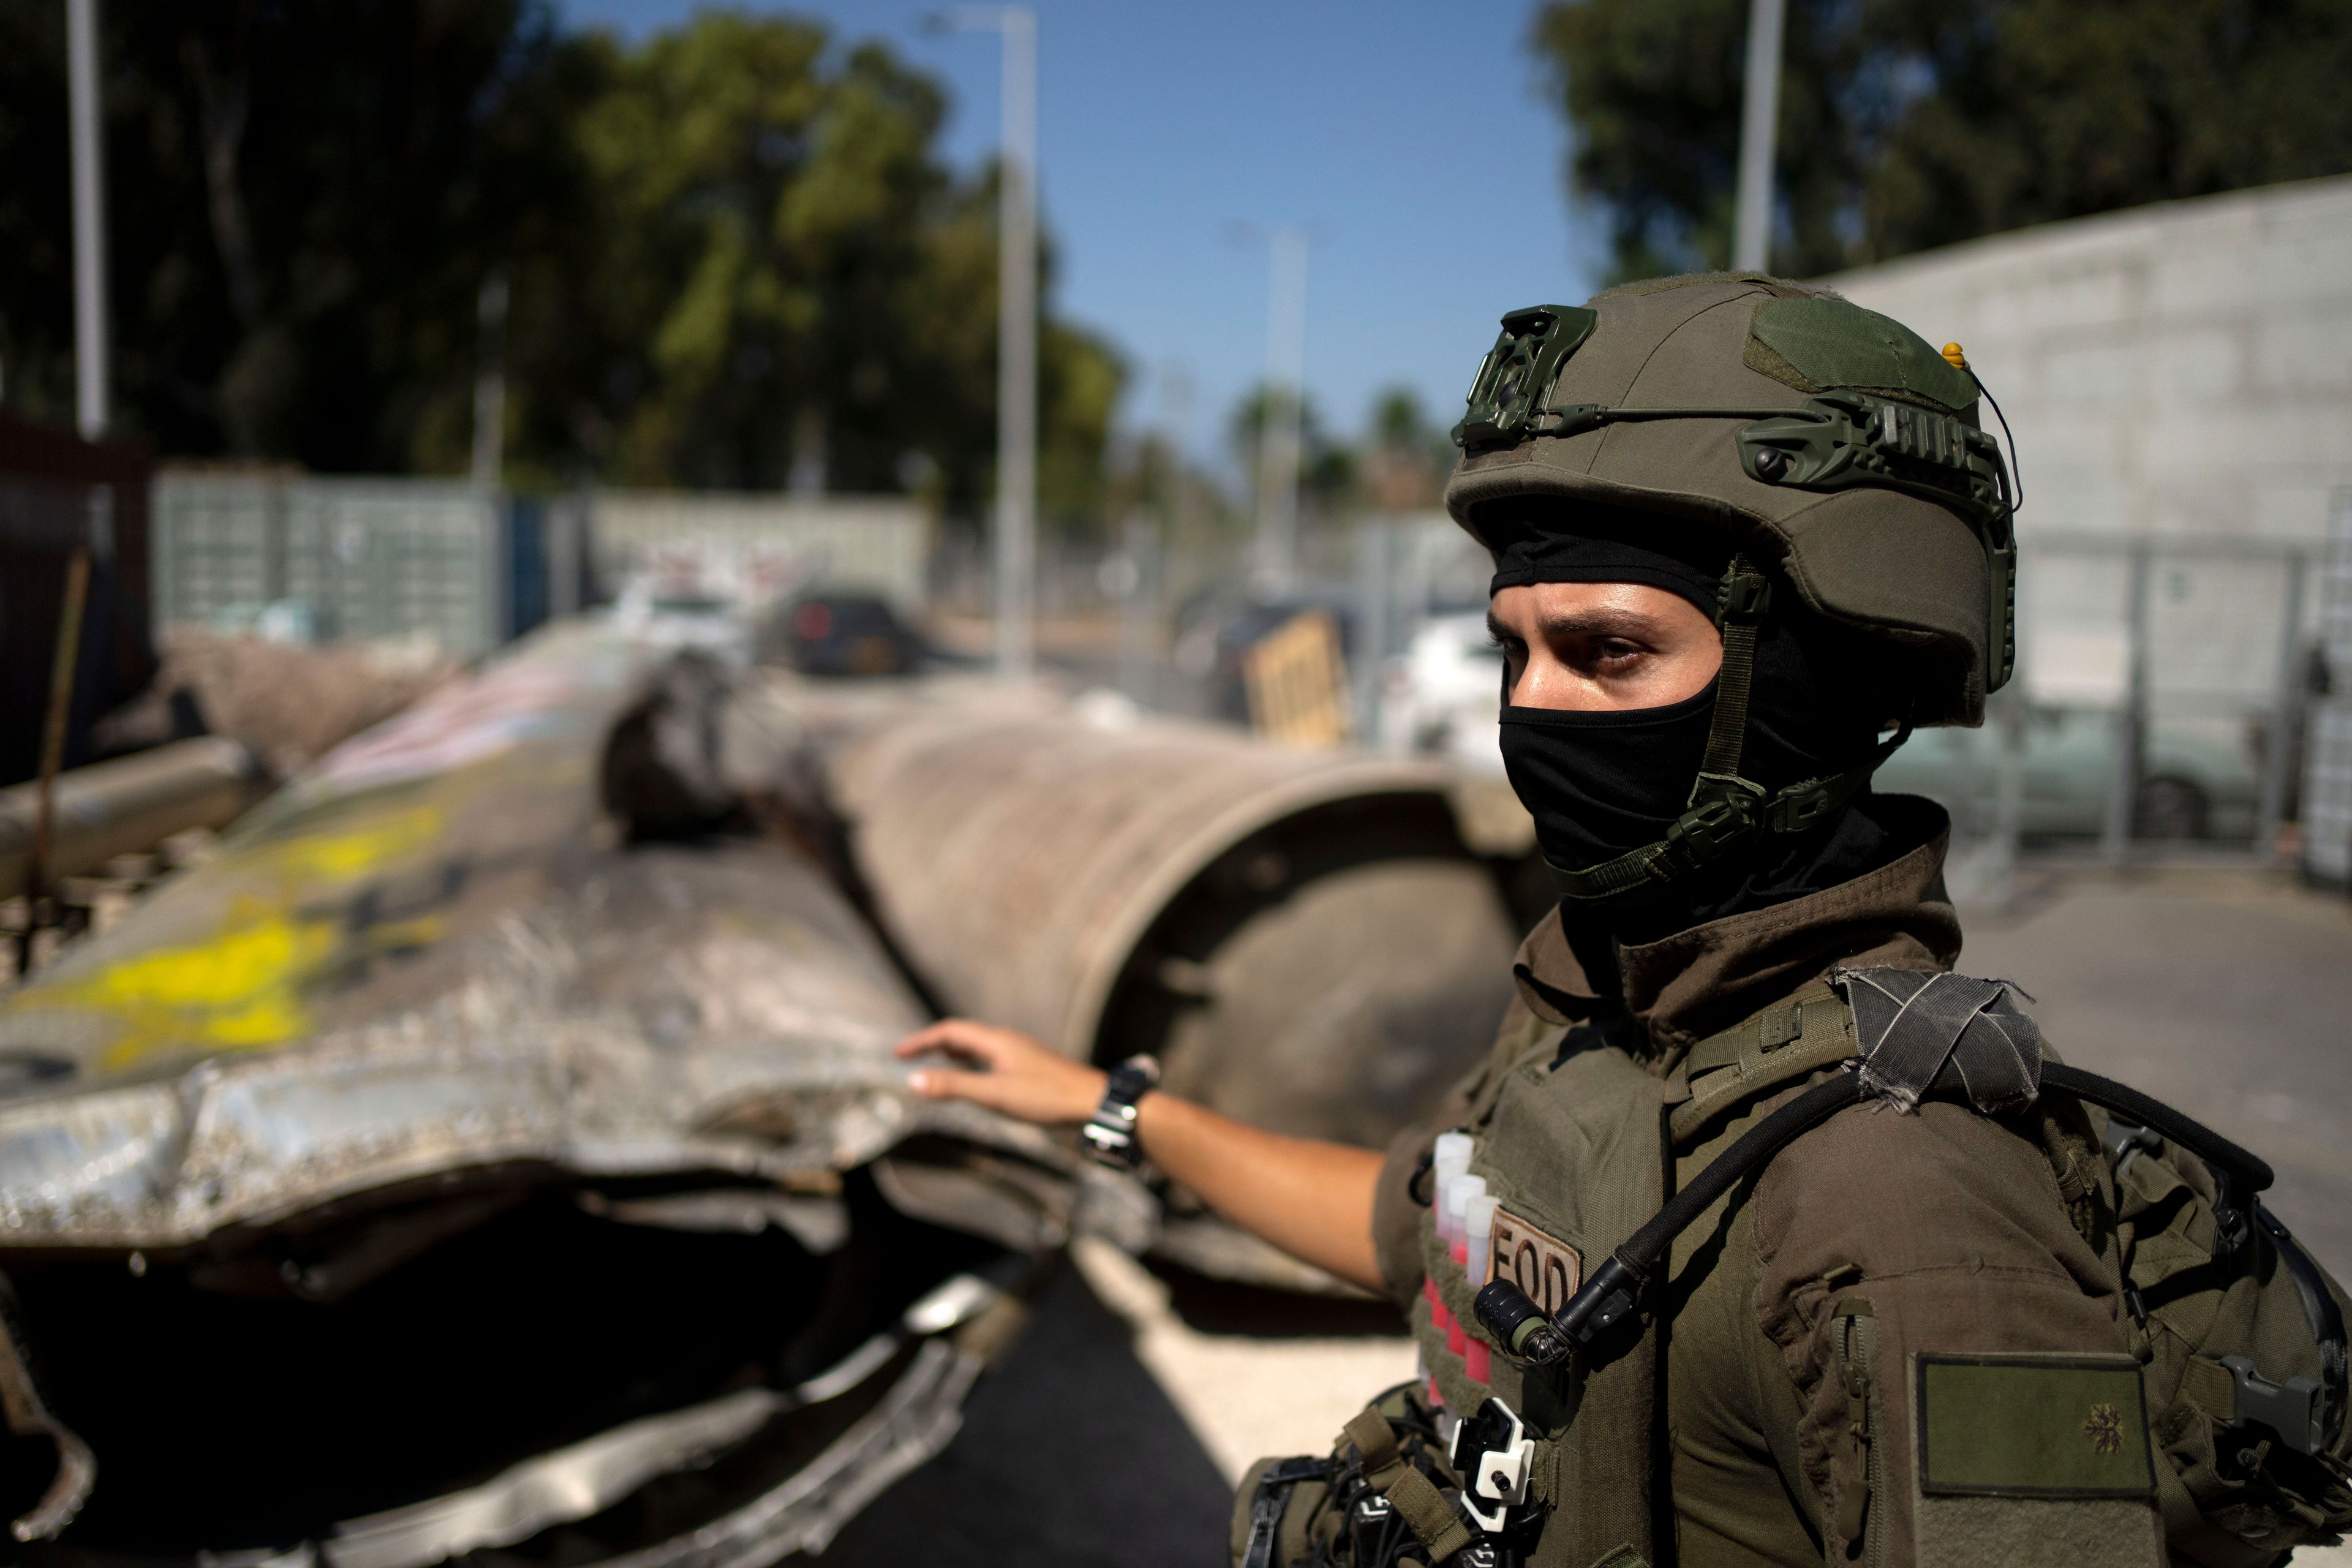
column 341, row 856
column 240, row 990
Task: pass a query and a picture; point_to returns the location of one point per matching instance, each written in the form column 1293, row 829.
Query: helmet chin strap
column 1725, row 808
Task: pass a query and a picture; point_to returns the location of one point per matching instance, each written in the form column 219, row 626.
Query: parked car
column 2194, row 784
column 1444, row 695
column 683, row 618
column 845, row 634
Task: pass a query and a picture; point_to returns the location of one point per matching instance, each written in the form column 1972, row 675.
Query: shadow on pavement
column 1070, row 1455
column 1222, row 1306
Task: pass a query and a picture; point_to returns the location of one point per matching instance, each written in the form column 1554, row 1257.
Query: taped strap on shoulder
column 1913, row 1029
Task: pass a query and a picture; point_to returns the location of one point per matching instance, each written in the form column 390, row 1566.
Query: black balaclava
column 1599, row 783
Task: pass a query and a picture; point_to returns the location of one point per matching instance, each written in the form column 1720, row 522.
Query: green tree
column 952, row 317
column 303, row 200
column 763, row 226
column 734, row 251
column 1407, row 457
column 1904, row 126
column 1327, row 468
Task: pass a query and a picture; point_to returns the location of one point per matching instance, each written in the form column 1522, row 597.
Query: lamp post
column 1285, row 377
column 1759, row 126
column 1275, row 551
column 89, row 219
column 1017, row 326
column 490, row 382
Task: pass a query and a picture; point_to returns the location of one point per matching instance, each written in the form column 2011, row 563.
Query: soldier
column 1746, row 535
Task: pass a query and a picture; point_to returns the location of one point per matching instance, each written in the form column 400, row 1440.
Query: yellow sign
column 1297, row 682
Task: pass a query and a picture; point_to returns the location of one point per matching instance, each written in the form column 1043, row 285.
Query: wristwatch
column 1109, row 1133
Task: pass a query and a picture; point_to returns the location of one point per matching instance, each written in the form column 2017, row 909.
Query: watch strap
column 1108, row 1135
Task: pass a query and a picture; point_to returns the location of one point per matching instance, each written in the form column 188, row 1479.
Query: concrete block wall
column 2181, row 368
column 2175, row 372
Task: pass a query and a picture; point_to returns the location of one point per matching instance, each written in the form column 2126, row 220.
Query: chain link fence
column 2327, row 814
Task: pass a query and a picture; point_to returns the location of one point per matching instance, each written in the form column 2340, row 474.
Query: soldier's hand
column 1004, row 1071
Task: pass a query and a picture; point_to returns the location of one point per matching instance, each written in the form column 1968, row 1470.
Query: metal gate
column 2328, row 771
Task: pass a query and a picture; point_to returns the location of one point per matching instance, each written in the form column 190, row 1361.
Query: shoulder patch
column 2033, row 1426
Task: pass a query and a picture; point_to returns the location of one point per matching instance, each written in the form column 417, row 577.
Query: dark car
column 845, row 634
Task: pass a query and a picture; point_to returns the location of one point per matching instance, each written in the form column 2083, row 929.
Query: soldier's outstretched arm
column 1311, row 1199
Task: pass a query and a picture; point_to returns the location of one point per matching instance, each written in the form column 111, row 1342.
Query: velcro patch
column 1546, row 1268
column 2033, row 1426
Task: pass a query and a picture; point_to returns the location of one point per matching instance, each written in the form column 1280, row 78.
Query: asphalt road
column 2226, row 993
column 1114, row 1432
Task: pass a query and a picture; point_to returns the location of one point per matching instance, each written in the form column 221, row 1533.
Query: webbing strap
column 1427, row 1514
column 1782, row 1043
column 1725, row 807
column 1740, row 607
column 1375, row 1439
column 1706, row 830
column 2206, row 1383
column 1414, row 1496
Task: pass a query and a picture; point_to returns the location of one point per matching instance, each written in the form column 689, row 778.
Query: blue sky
column 1412, row 135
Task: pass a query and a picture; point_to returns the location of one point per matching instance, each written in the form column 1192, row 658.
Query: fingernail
column 921, row 1082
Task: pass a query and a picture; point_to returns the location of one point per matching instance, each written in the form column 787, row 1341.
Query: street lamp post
column 1016, row 353
column 1286, row 376
column 89, row 219
column 1760, row 127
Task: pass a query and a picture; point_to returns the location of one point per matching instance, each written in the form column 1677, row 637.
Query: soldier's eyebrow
column 1608, row 621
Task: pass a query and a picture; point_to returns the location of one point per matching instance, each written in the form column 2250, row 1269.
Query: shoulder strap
column 1612, row 1291
column 1779, row 1044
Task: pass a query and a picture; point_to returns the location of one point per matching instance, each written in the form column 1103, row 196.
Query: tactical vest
column 2239, row 1337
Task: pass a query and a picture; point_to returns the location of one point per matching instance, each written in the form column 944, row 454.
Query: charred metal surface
column 435, row 1169
column 1305, row 935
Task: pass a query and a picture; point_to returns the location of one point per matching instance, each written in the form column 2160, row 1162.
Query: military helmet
column 1824, row 440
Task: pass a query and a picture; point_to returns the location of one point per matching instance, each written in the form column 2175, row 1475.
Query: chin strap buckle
column 1724, row 809
column 1745, row 598
column 1800, row 806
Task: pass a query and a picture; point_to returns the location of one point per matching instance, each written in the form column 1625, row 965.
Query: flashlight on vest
column 1516, row 1323
column 1520, row 1326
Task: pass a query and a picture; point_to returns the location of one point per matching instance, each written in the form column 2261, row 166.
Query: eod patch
column 1548, row 1268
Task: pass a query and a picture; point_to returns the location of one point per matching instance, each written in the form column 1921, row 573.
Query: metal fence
column 309, row 559
column 320, row 559
column 2159, row 706
column 754, row 548
column 2326, row 815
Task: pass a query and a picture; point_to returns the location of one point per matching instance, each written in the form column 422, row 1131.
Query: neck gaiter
column 1599, row 783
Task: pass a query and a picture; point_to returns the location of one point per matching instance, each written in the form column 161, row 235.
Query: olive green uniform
column 1928, row 1331
column 1954, row 1227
